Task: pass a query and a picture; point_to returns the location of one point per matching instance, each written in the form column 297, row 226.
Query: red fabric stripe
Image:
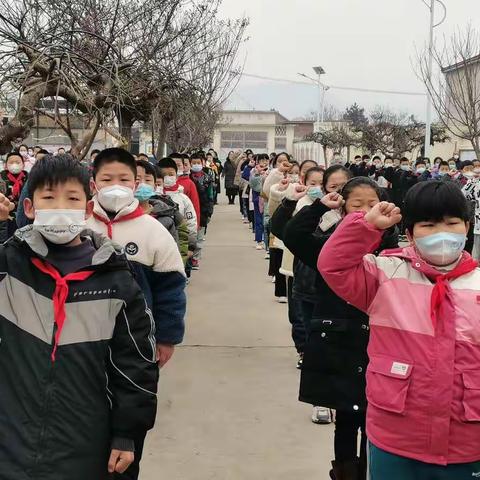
column 440, row 290
column 109, row 223
column 60, row 295
column 17, row 184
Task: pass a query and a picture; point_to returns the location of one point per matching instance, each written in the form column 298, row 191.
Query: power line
column 336, row 87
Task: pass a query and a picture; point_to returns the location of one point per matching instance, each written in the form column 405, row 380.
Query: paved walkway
column 228, row 406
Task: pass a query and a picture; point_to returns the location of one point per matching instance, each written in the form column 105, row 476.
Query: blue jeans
column 258, row 220
column 386, row 466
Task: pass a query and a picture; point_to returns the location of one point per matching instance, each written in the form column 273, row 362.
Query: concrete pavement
column 228, row 406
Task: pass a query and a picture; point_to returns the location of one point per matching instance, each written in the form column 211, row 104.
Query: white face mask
column 169, row 181
column 442, row 248
column 179, row 173
column 115, row 197
column 159, row 190
column 294, row 177
column 469, row 174
column 59, row 226
column 15, row 168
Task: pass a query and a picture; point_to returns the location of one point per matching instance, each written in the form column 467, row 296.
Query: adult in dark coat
column 335, row 359
column 229, row 170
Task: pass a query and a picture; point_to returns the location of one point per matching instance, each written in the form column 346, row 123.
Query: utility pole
column 428, row 121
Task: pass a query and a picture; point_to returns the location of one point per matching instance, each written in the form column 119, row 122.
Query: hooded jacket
column 186, row 209
column 58, row 417
column 157, row 263
column 423, row 381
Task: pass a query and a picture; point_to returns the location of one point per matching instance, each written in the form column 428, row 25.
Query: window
column 244, row 140
column 281, row 131
column 280, row 143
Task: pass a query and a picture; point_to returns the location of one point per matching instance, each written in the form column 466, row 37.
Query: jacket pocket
column 471, row 395
column 388, row 381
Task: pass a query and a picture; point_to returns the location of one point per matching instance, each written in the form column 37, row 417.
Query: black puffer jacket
column 58, row 419
column 335, row 359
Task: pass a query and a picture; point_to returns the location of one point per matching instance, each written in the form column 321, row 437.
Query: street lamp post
column 428, row 120
column 321, row 96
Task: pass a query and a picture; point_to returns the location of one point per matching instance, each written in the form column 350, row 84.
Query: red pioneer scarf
column 109, row 223
column 60, row 295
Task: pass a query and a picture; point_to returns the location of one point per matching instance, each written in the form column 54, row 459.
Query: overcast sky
column 359, row 43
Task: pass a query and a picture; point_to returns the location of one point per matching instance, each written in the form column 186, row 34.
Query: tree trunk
column 19, row 127
column 161, row 138
column 125, row 123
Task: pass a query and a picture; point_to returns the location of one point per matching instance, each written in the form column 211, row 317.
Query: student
column 184, row 180
column 305, row 287
column 150, row 249
column 14, row 177
column 163, row 209
column 466, row 173
column 78, row 374
column 93, row 155
column 422, row 418
column 168, row 172
column 312, row 181
column 335, row 361
column 257, row 177
column 421, row 171
column 205, row 189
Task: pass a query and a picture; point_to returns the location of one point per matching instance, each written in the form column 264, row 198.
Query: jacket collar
column 98, row 209
column 104, row 247
column 410, row 255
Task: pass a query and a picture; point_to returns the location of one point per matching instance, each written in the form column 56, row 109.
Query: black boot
column 345, row 470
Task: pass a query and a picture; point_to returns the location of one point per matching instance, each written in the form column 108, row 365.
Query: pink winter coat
column 423, row 383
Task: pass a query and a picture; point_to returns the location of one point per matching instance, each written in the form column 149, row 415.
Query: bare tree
column 454, row 85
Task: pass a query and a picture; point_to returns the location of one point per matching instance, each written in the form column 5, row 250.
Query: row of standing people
column 341, row 308
column 94, row 290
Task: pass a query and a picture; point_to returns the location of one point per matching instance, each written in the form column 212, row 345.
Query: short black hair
column 14, row 154
column 95, row 150
column 466, row 163
column 433, row 201
column 55, row 169
column 404, row 159
column 443, row 163
column 361, row 182
column 420, row 161
column 357, row 156
column 334, row 169
column 43, row 151
column 167, row 162
column 313, row 170
column 148, row 167
column 110, row 155
column 176, row 155
column 364, row 157
column 308, row 161
column 376, row 157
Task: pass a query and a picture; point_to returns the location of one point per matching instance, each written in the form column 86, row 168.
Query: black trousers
column 347, row 425
column 276, row 256
column 133, row 470
column 296, row 318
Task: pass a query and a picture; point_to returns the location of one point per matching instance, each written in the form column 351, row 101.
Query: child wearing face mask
column 77, row 350
column 149, row 247
column 183, row 178
column 160, row 207
column 168, row 171
column 335, row 360
column 14, row 178
column 205, row 188
column 422, row 379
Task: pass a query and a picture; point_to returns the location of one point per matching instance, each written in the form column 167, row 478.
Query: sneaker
column 272, row 279
column 282, row 299
column 300, row 361
column 267, row 256
column 195, row 265
column 260, row 246
column 321, row 416
column 245, row 220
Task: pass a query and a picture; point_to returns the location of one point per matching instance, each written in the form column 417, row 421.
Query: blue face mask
column 315, row 192
column 442, row 248
column 197, row 168
column 144, row 192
